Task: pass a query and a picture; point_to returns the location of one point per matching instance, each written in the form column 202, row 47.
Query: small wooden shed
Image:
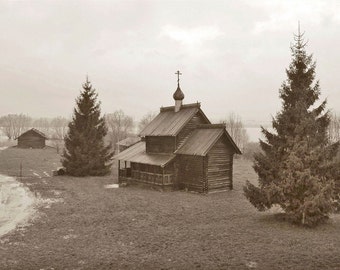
column 32, row 138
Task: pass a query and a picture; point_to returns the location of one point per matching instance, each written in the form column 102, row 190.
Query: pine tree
column 85, row 152
column 296, row 162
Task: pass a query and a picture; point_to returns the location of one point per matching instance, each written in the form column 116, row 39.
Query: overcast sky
column 232, row 54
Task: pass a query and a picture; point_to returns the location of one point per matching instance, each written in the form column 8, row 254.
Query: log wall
column 31, row 140
column 190, row 172
column 220, row 167
column 160, row 144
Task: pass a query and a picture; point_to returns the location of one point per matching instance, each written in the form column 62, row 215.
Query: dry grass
column 28, row 162
column 134, row 228
column 7, row 143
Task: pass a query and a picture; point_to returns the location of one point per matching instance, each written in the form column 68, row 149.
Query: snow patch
column 36, row 174
column 70, row 236
column 47, row 202
column 16, row 204
column 56, row 192
column 275, row 209
column 112, row 186
column 251, row 265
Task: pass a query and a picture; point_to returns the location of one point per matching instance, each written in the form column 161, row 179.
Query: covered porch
column 137, row 166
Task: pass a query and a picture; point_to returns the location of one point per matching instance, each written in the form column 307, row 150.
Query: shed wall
column 191, row 172
column 31, row 140
column 220, row 166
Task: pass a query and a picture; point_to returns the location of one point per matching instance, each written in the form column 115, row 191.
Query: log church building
column 180, row 149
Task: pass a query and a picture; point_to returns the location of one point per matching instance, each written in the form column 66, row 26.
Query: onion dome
column 178, row 95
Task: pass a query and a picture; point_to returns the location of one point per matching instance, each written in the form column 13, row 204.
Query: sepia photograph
column 170, row 134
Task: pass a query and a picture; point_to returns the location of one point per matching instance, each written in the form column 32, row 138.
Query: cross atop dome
column 178, row 73
column 178, row 95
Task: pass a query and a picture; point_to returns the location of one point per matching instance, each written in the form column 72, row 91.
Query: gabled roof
column 34, row 131
column 203, row 139
column 137, row 153
column 170, row 123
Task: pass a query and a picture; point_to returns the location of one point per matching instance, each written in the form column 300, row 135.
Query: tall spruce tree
column 85, row 152
column 295, row 165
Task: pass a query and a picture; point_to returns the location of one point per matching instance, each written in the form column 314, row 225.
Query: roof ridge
column 211, row 126
column 190, row 105
column 170, row 123
column 35, row 130
column 40, row 132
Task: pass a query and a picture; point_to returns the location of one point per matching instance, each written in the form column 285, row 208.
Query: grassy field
column 90, row 227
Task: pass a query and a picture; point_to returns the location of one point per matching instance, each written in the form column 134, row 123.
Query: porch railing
column 147, row 177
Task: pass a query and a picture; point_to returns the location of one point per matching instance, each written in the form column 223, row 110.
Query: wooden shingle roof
column 170, row 123
column 128, row 141
column 203, row 139
column 137, row 153
column 34, row 130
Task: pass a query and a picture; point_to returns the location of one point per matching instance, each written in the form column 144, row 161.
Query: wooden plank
column 190, row 172
column 160, row 144
column 219, row 167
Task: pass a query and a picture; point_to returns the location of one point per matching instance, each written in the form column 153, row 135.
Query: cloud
column 191, row 37
column 284, row 15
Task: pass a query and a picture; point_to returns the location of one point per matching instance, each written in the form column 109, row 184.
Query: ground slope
column 90, row 227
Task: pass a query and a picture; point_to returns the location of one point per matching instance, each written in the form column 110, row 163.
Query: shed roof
column 128, row 141
column 137, row 153
column 34, row 130
column 169, row 123
column 203, row 139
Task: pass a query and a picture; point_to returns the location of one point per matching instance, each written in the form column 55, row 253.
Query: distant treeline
column 121, row 126
column 13, row 125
